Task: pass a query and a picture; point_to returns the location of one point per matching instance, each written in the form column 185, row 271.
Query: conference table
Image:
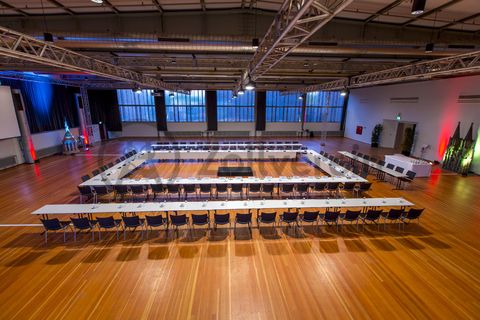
column 421, row 168
column 146, row 207
column 384, row 170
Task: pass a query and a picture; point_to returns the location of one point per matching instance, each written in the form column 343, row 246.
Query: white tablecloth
column 420, row 167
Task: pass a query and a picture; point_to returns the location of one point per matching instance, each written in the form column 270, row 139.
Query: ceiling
column 207, row 43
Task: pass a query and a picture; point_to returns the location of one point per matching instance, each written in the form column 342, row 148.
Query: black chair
column 132, row 222
column 381, row 163
column 390, row 166
column 121, row 190
column 221, row 188
column 350, row 216
column 322, row 152
column 100, row 191
column 221, row 219
column 123, row 158
column 83, row 224
column 103, row 168
column 303, row 189
column 267, row 218
column 320, row 187
column 371, row 216
column 55, row 225
column 85, row 178
column 243, row 218
column 330, row 217
column 309, row 217
column 362, row 187
column 190, row 189
column 399, row 169
column 268, row 188
column 85, row 191
column 332, row 188
column 206, row 188
column 290, row 218
column 236, row 188
column 110, row 165
column 254, row 188
column 118, row 161
column 157, row 189
column 287, row 188
column 172, row 189
column 410, row 175
column 412, row 214
column 347, row 186
column 366, row 157
column 200, row 220
column 139, row 190
column 95, row 172
column 360, row 155
column 155, row 222
column 372, row 159
column 354, row 152
column 107, row 223
column 394, row 215
column 178, row 221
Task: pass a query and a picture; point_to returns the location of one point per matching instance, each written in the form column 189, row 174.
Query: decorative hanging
column 459, row 154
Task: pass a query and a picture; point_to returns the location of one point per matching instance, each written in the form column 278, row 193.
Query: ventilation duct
column 469, row 98
column 404, row 100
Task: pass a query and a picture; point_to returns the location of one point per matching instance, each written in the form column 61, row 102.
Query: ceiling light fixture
column 300, row 98
column 255, row 43
column 97, row 1
column 137, row 90
column 429, row 47
column 418, row 7
column 343, row 93
column 240, row 92
column 250, row 86
column 171, row 94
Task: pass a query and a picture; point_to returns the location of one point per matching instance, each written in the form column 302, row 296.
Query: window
column 324, row 106
column 185, row 107
column 240, row 109
column 136, row 107
column 283, row 107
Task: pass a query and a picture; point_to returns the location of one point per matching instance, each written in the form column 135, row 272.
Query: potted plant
column 407, row 142
column 377, row 130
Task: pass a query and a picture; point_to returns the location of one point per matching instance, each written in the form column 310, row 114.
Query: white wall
column 139, row 129
column 49, row 139
column 8, row 118
column 436, row 113
column 190, row 126
column 237, row 126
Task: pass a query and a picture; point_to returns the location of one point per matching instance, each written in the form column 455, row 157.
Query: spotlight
column 250, row 86
column 255, row 43
column 429, row 47
column 174, row 61
column 97, row 1
column 137, row 90
column 234, row 96
column 240, row 92
column 418, row 7
column 171, row 94
column 47, row 36
column 300, row 98
column 343, row 93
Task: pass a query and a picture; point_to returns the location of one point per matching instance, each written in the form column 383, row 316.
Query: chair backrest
column 331, row 157
column 222, row 187
column 414, row 213
column 155, row 221
column 178, row 220
column 399, row 169
column 221, row 218
column 110, row 165
column 366, row 157
column 390, row 166
column 302, row 187
column 106, row 222
column 354, row 152
column 51, row 224
column 81, row 223
column 411, row 174
column 123, row 158
column 373, row 215
column 373, row 159
column 360, row 154
column 200, row 219
column 268, row 216
column 267, row 187
column 322, row 152
column 333, row 185
column 157, row 187
column 100, row 190
column 352, row 214
column 244, row 217
column 254, row 187
column 310, row 216
column 137, row 188
column 236, row 187
column 381, row 162
column 172, row 187
column 205, row 187
column 290, row 216
column 118, row 161
column 365, row 186
column 189, row 188
column 286, row 187
column 320, row 186
column 96, row 172
column 395, row 213
column 331, row 215
column 121, row 188
column 85, row 190
column 85, row 178
column 349, row 186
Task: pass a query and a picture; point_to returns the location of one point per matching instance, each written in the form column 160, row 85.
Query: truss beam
column 464, row 64
column 327, row 86
column 294, row 23
column 17, row 45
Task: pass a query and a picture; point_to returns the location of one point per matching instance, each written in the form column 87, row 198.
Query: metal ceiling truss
column 17, row 45
column 463, row 64
column 294, row 23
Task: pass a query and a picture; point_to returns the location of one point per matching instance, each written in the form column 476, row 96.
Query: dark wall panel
column 260, row 110
column 104, row 107
column 211, row 106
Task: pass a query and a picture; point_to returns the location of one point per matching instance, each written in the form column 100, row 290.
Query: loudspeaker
column 48, row 37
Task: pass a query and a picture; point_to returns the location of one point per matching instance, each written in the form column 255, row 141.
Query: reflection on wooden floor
column 428, row 271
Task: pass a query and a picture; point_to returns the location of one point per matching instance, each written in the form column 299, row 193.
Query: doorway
column 400, row 135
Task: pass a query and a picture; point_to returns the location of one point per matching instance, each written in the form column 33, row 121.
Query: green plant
column 407, row 141
column 377, row 130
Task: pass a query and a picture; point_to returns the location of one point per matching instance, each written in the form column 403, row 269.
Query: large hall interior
column 239, row 159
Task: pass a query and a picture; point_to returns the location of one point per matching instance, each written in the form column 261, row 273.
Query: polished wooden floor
column 428, row 271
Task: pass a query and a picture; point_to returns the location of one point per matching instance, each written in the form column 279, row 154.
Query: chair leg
column 46, row 236
column 64, row 235
column 75, row 235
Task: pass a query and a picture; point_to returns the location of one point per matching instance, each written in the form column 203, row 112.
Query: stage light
column 343, row 93
column 171, row 94
column 97, row 1
column 250, row 86
column 255, row 43
column 240, row 92
column 429, row 47
column 300, row 98
column 137, row 90
column 418, row 7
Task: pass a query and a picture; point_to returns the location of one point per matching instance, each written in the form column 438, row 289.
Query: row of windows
column 280, row 107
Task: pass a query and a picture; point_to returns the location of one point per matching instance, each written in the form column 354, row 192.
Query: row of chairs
column 287, row 219
column 224, row 142
column 291, row 190
column 225, row 148
column 409, row 175
column 107, row 166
